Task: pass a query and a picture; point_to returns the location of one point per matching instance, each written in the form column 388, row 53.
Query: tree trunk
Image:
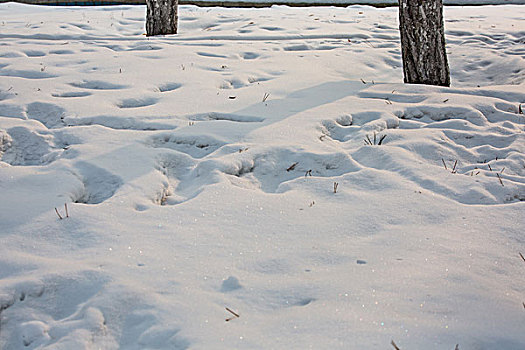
column 161, row 17
column 423, row 42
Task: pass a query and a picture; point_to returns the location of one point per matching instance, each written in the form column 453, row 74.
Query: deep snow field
column 199, row 173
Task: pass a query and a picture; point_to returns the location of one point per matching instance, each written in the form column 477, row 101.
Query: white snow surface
column 199, row 173
column 378, row 2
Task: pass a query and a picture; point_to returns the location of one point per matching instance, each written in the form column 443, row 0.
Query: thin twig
column 236, row 315
column 381, row 140
column 454, row 168
column 522, row 257
column 444, row 164
column 394, row 345
column 67, row 213
column 499, row 178
column 490, row 168
column 292, row 167
column 336, row 184
column 58, row 214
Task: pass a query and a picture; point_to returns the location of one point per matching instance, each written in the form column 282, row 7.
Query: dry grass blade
column 265, row 97
column 500, row 181
column 67, row 213
column 444, row 164
column 232, row 312
column 490, row 168
column 522, row 256
column 454, row 168
column 59, row 216
column 381, row 140
column 394, row 345
column 336, row 184
column 235, row 315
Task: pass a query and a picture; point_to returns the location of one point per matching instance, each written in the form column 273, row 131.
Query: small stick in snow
column 308, row 173
column 394, row 345
column 501, row 172
column 336, row 184
column 292, row 167
column 457, row 347
column 364, row 82
column 522, row 256
column 235, row 315
column 454, row 168
column 520, row 110
column 490, row 168
column 499, row 178
column 265, row 97
column 59, row 216
column 444, row 164
column 65, row 206
column 381, row 140
column 445, row 101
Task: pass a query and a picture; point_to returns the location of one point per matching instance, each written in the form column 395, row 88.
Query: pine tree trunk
column 161, row 17
column 423, row 42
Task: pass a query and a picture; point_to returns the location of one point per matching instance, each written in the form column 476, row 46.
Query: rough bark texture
column 161, row 17
column 423, row 42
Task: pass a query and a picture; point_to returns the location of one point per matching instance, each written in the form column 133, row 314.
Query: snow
column 378, row 2
column 199, row 172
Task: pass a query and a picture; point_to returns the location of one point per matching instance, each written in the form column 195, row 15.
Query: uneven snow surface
column 199, row 173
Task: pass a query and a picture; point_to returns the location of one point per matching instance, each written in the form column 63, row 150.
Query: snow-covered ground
column 199, row 174
column 369, row 2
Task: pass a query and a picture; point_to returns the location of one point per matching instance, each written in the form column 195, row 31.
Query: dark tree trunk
column 423, row 42
column 161, row 17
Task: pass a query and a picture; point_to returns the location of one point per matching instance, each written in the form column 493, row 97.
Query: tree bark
column 423, row 42
column 161, row 17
